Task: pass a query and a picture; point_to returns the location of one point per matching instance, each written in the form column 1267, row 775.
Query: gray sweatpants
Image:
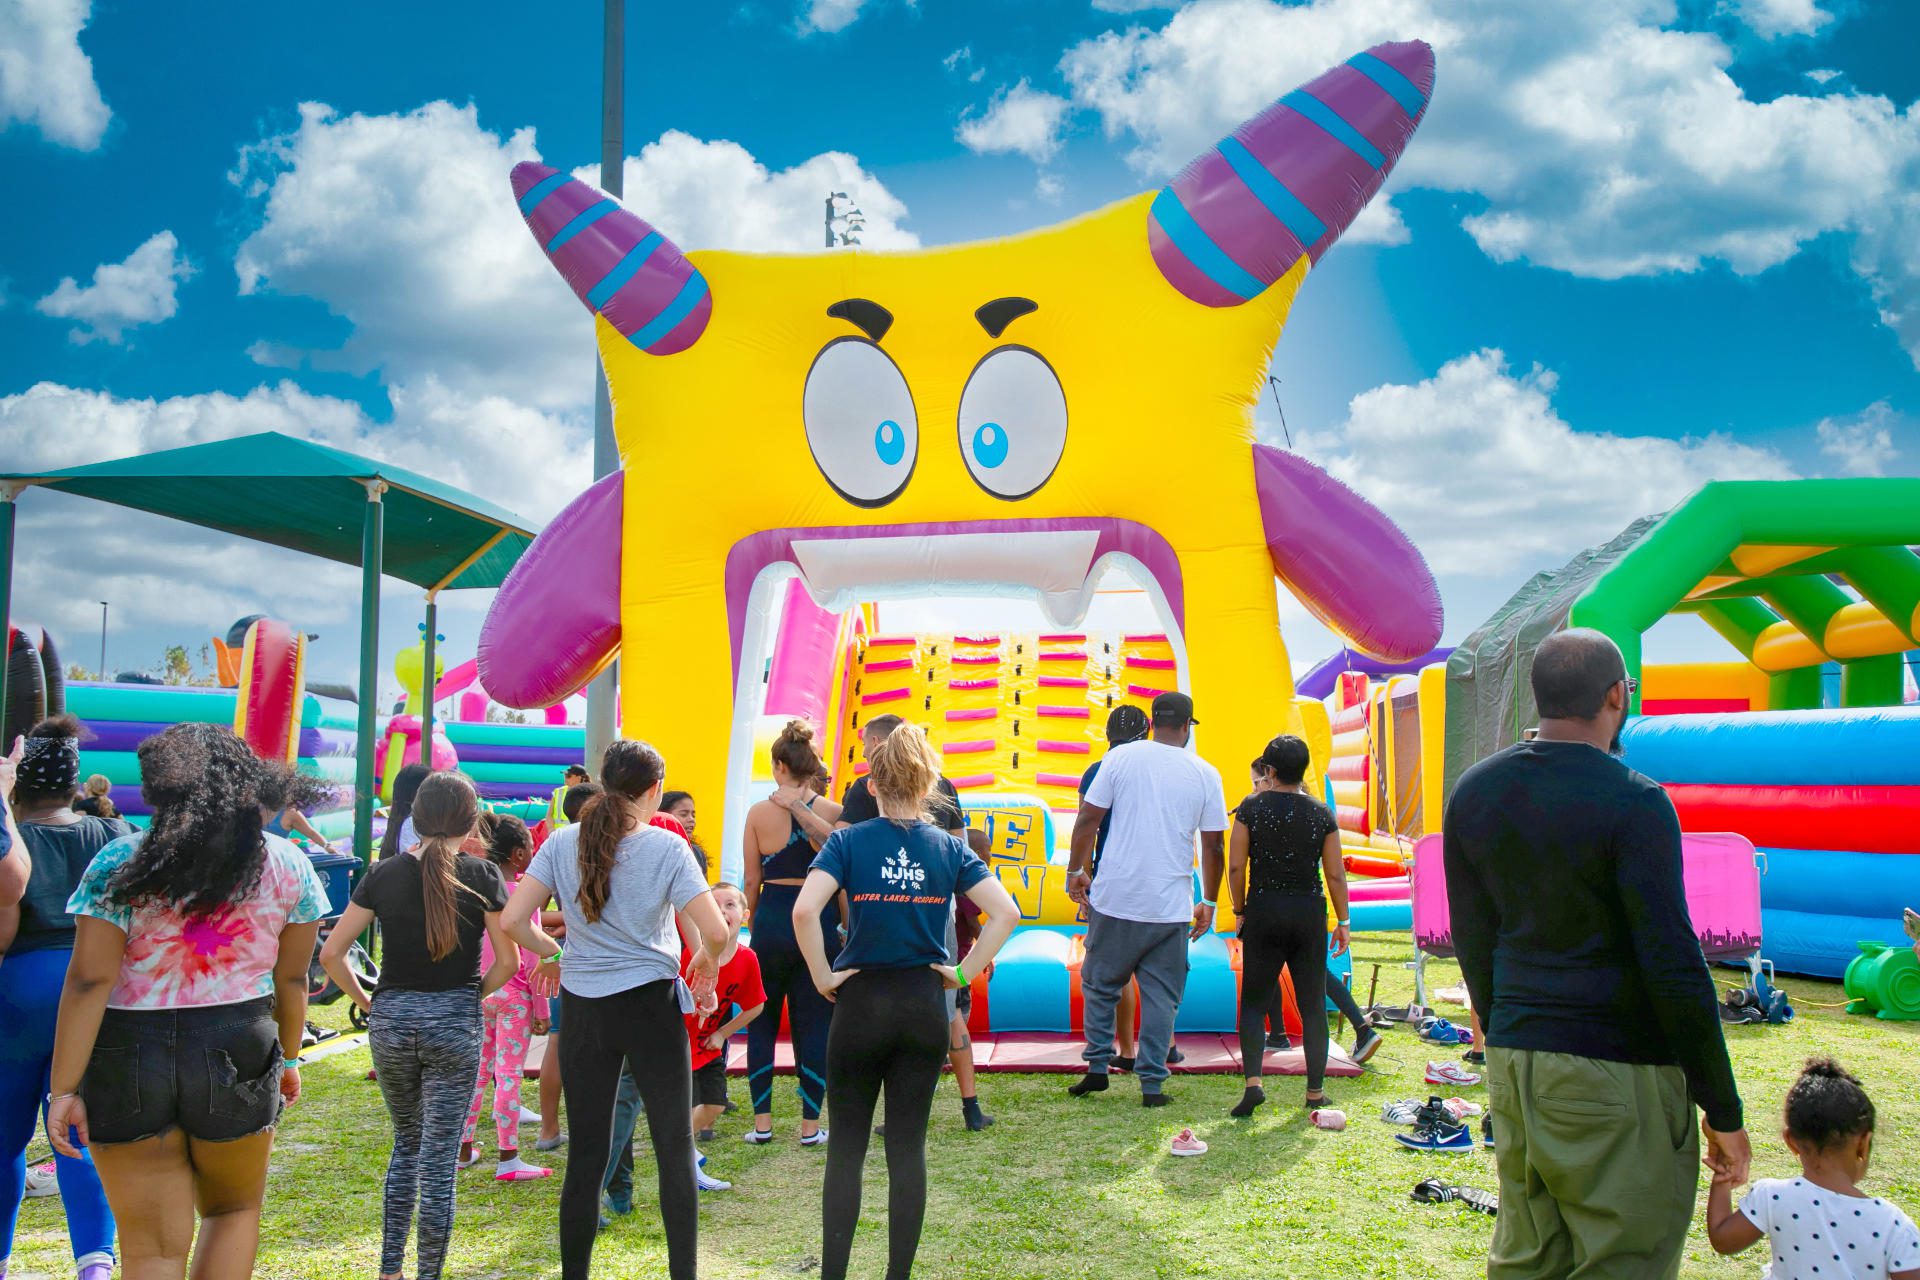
column 1120, row 950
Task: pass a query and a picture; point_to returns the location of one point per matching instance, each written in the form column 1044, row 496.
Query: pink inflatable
column 1722, row 883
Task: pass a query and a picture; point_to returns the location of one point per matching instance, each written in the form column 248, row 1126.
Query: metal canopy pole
column 371, row 531
column 7, row 494
column 426, row 684
column 606, row 451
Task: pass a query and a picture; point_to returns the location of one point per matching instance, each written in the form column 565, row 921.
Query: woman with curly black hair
column 181, row 1017
column 58, row 844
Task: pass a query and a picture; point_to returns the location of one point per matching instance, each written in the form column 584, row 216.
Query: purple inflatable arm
column 1344, row 560
column 556, row 620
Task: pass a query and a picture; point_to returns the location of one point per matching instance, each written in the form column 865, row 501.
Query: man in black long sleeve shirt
column 1570, row 922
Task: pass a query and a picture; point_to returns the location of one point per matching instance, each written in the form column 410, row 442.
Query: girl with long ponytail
column 620, row 881
column 435, row 905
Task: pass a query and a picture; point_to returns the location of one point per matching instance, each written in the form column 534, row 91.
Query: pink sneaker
column 518, row 1170
column 1448, row 1073
column 1328, row 1118
column 1461, row 1109
column 1185, row 1144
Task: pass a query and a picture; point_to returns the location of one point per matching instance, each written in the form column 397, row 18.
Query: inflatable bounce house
column 1009, row 417
column 262, row 696
column 1808, row 746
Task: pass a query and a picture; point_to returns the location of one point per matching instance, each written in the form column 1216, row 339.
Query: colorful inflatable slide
column 966, row 420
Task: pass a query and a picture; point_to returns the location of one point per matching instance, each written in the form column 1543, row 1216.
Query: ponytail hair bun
column 794, row 749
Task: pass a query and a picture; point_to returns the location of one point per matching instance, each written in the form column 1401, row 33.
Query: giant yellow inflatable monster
column 1013, row 414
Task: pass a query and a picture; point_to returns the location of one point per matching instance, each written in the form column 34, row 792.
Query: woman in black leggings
column 620, row 882
column 1282, row 837
column 889, row 1030
column 783, row 833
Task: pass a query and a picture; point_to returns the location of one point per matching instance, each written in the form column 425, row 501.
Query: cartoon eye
column 860, row 422
column 1013, row 422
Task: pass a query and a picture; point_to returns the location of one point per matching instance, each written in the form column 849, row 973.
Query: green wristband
column 555, row 957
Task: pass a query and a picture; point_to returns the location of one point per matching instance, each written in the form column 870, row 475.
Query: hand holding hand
column 64, row 1114
column 703, row 972
column 1729, row 1155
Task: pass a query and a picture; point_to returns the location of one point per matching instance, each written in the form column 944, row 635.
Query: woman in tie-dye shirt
column 181, row 1019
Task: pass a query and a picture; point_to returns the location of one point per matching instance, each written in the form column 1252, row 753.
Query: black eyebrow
column 873, row 319
column 995, row 316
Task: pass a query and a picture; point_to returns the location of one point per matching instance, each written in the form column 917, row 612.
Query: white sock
column 515, row 1165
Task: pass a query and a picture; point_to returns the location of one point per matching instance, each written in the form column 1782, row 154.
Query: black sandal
column 1434, row 1191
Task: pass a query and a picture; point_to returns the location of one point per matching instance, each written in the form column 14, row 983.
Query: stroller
column 322, row 990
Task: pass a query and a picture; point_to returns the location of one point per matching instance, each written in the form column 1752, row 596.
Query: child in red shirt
column 707, row 1033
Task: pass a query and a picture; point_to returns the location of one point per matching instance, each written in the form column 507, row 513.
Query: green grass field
column 1057, row 1188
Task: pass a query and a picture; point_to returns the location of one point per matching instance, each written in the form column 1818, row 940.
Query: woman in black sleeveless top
column 783, row 833
column 1282, row 839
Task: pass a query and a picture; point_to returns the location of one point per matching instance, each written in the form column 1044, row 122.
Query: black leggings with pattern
column 426, row 1052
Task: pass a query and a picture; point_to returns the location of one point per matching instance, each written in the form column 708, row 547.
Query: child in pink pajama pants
column 511, row 1017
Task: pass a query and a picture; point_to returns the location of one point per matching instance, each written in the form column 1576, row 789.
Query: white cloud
column 1771, row 18
column 170, row 582
column 1481, row 471
column 45, row 79
column 715, row 195
column 830, row 15
column 1048, row 188
column 960, row 62
column 139, row 290
column 1604, row 142
column 1823, row 75
column 1021, row 120
column 404, row 224
column 1860, row 444
column 1133, row 6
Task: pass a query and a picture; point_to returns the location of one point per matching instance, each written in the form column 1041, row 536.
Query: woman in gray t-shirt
column 621, row 882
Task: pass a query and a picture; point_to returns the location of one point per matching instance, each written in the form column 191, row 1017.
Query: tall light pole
column 604, row 690
column 103, row 640
column 855, row 220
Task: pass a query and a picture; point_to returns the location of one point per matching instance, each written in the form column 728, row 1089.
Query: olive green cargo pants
column 1599, row 1165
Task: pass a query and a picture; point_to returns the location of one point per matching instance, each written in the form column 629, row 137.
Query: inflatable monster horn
column 618, row 265
column 1290, row 180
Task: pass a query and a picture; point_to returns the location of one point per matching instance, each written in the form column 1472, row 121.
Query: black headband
column 51, row 766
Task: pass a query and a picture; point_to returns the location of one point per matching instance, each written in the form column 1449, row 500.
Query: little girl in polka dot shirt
column 1819, row 1226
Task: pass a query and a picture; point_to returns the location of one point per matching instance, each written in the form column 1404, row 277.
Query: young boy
column 738, row 986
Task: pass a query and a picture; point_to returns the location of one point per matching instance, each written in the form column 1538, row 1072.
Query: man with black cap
column 1141, row 913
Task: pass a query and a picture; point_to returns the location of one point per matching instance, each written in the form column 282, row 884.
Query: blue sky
column 1636, row 245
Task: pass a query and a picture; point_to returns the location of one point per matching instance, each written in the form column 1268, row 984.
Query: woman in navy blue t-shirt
column 900, row 874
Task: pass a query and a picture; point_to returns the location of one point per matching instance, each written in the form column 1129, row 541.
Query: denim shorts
column 212, row 1071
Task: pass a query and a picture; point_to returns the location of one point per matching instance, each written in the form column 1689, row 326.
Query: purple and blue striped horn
column 1290, row 180
column 617, row 264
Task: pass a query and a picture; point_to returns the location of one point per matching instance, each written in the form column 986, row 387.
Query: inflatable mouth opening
column 1049, row 571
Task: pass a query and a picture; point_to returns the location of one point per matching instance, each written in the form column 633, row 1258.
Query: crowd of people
column 153, row 986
